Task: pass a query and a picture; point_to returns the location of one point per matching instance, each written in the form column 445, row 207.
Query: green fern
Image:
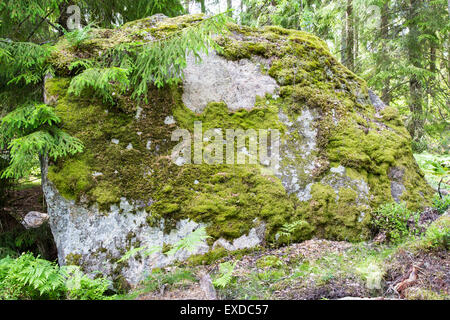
column 78, row 36
column 287, row 230
column 226, row 270
column 189, row 243
column 80, row 287
column 28, row 277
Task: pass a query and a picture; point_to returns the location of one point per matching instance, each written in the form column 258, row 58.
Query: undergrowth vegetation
column 393, row 220
column 28, row 277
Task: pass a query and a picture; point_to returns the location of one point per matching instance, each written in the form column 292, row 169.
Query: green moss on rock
column 127, row 149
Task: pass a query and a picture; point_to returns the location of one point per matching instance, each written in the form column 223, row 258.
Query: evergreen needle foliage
column 162, row 61
column 22, row 62
column 105, row 83
column 30, row 131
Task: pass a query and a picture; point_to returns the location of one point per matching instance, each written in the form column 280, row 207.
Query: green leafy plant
column 189, row 243
column 104, row 83
column 80, row 287
column 162, row 61
column 438, row 234
column 28, row 277
column 78, row 36
column 441, row 203
column 392, row 219
column 30, row 131
column 23, row 62
column 226, row 270
column 289, row 231
column 441, row 170
column 160, row 277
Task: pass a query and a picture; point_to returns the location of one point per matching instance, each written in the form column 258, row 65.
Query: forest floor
column 312, row 270
column 22, row 199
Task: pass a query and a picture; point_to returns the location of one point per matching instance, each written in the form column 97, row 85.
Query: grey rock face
column 34, row 219
column 207, row 287
column 237, row 83
column 254, row 238
column 376, row 101
column 397, row 188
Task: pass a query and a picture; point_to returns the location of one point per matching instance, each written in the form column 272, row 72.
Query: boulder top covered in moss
column 342, row 151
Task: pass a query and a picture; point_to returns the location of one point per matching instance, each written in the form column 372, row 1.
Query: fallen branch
column 409, row 281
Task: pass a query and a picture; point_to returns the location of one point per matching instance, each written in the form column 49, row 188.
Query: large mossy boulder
column 342, row 151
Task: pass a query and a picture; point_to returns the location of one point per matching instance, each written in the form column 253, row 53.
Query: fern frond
column 78, row 36
column 190, row 242
column 226, row 270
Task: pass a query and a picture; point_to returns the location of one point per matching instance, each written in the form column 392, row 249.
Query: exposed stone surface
column 34, row 219
column 207, row 287
column 215, row 79
column 397, row 188
column 253, row 239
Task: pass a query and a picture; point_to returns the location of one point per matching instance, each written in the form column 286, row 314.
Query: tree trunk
column 349, row 55
column 356, row 48
column 415, row 87
column 384, row 34
column 448, row 58
column 432, row 79
column 63, row 15
column 343, row 44
column 203, row 6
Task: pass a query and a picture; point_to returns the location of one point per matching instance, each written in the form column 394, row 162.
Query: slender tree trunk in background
column 186, row 5
column 203, row 6
column 415, row 88
column 343, row 44
column 349, row 55
column 384, row 33
column 230, row 6
column 63, row 15
column 448, row 57
column 432, row 79
column 356, row 48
